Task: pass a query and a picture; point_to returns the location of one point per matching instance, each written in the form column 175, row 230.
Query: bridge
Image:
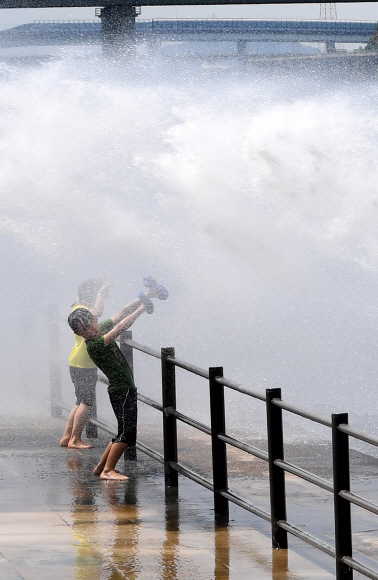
column 129, row 4
column 239, row 31
column 118, row 26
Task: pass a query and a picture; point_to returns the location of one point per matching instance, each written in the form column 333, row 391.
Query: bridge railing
column 341, row 431
column 258, row 26
column 238, row 25
column 86, row 21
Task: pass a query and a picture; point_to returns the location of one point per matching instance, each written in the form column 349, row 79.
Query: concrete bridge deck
column 58, row 521
column 42, row 33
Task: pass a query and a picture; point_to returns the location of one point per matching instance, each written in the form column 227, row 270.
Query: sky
column 345, row 11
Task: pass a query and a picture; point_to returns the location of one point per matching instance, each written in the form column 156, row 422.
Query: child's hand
column 105, row 289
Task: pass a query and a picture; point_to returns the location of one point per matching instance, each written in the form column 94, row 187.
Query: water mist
column 253, row 198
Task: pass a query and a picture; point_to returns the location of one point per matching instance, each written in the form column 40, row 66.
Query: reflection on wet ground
column 58, row 521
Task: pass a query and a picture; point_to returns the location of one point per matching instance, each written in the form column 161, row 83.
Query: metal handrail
column 86, row 21
column 240, row 389
column 149, row 402
column 254, row 20
column 188, row 420
column 302, row 413
column 353, row 498
column 341, row 432
column 307, row 538
column 245, row 504
column 244, row 447
column 303, row 474
column 358, row 434
column 360, row 568
column 143, row 348
column 191, row 475
column 188, row 367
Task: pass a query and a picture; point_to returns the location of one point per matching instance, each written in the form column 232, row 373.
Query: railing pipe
column 218, row 447
column 192, row 475
column 368, row 572
column 295, row 531
column 357, row 434
column 244, row 447
column 303, row 413
column 341, row 431
column 303, row 474
column 143, row 348
column 341, row 482
column 150, row 402
column 189, row 367
column 245, row 504
column 276, row 474
column 361, row 502
column 189, row 421
column 168, row 382
column 240, row 389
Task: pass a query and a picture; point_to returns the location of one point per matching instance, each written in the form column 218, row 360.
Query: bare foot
column 98, row 470
column 113, row 475
column 79, row 445
column 64, row 441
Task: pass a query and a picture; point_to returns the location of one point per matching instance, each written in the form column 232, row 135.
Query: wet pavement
column 58, row 521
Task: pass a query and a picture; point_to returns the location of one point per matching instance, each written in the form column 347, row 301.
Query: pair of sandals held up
column 162, row 293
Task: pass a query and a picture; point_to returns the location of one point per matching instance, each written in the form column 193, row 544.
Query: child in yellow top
column 92, row 294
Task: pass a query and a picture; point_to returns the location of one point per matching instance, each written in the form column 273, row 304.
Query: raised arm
column 102, row 295
column 126, row 310
column 125, row 323
column 153, row 292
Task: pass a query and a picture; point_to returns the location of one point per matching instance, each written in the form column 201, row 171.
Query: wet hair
column 88, row 290
column 80, row 319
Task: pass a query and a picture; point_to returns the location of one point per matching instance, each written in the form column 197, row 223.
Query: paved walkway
column 58, row 521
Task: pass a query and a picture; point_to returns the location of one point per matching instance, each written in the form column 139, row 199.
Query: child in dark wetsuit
column 105, row 353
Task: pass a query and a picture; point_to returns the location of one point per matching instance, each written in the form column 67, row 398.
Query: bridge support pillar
column 330, row 46
column 242, row 48
column 118, row 29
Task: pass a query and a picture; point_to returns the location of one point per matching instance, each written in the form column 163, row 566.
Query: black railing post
column 341, row 482
column 168, row 382
column 218, row 447
column 276, row 474
column 128, row 353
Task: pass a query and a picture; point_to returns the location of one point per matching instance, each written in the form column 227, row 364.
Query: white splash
column 254, row 200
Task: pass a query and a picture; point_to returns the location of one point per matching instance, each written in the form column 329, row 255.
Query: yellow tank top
column 79, row 356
